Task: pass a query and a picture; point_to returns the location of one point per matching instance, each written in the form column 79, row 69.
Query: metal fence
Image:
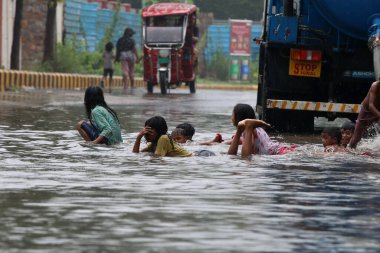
column 88, row 24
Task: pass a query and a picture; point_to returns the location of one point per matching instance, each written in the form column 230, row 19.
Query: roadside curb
column 28, row 80
column 17, row 80
column 227, row 87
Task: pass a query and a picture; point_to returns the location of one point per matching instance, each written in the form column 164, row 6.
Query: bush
column 218, row 68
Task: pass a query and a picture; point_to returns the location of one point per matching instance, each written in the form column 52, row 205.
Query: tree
column 50, row 31
column 15, row 54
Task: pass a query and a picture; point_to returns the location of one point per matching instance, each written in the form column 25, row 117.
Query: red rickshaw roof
column 162, row 9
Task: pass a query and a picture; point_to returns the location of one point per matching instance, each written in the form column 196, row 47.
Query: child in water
column 186, row 135
column 255, row 139
column 347, row 131
column 104, row 125
column 331, row 140
column 160, row 143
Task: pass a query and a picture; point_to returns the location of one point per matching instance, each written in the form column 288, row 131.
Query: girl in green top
column 104, row 125
column 155, row 132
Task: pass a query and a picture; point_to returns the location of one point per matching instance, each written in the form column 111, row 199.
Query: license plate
column 305, row 68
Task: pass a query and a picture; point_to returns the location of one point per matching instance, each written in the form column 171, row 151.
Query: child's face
column 346, row 136
column 179, row 138
column 151, row 135
column 328, row 140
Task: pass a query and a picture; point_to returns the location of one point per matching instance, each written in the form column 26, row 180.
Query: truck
column 317, row 58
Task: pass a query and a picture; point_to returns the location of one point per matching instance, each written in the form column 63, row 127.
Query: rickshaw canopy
column 163, row 9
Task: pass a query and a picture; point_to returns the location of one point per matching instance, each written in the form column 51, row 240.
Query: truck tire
column 149, row 87
column 163, row 83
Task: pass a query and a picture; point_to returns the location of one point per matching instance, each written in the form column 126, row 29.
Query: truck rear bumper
column 312, row 106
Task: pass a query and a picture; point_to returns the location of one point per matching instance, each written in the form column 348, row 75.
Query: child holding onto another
column 347, row 130
column 160, row 143
column 104, row 125
column 331, row 140
column 108, row 57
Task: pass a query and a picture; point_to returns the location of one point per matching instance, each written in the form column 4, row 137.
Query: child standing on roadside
column 108, row 58
column 104, row 125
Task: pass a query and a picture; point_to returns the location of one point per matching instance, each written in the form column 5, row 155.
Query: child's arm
column 235, row 142
column 136, row 146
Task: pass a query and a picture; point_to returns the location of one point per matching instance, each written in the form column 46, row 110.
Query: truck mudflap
column 312, row 106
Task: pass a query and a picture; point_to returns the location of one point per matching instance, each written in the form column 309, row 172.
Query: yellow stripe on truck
column 312, row 106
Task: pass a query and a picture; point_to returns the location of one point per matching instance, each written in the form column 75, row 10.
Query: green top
column 107, row 124
column 167, row 147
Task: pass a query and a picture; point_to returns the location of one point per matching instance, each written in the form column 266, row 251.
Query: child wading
column 104, row 125
column 160, row 143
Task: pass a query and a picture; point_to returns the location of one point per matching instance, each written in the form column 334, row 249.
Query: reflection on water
column 57, row 196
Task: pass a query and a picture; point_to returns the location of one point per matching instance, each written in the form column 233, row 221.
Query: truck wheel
column 163, row 83
column 149, row 87
column 192, row 86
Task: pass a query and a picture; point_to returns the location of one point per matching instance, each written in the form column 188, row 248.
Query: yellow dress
column 167, row 147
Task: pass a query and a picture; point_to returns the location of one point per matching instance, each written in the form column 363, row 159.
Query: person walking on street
column 126, row 54
column 108, row 57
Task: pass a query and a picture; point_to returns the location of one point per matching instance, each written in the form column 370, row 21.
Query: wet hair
column 93, row 97
column 333, row 132
column 242, row 112
column 158, row 123
column 109, row 47
column 189, row 129
column 348, row 126
column 178, row 131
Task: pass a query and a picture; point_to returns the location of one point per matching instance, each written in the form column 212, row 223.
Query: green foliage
column 218, row 67
column 237, row 9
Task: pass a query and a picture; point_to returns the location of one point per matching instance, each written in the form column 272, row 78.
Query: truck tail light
column 306, row 55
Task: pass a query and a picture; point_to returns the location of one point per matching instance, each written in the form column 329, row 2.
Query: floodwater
column 58, row 196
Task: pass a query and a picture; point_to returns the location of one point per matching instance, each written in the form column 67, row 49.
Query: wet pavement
column 58, row 196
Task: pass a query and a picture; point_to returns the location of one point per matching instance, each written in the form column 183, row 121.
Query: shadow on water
column 57, row 195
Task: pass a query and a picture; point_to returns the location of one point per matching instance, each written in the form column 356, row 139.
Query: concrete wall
column 33, row 32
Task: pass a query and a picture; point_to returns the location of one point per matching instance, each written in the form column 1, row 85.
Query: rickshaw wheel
column 191, row 86
column 149, row 87
column 163, row 83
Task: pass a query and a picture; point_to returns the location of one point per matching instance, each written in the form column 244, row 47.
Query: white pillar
column 8, row 15
column 59, row 22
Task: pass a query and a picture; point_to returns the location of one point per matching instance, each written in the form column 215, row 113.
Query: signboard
column 240, row 37
column 305, row 68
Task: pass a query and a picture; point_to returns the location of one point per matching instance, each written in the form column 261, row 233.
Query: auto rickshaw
column 169, row 36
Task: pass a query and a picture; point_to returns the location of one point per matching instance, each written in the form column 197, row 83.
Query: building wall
column 33, row 32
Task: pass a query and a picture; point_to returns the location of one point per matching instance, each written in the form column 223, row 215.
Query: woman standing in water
column 104, row 125
column 255, row 139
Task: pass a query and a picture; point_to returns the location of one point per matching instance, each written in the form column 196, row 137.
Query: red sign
column 240, row 37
